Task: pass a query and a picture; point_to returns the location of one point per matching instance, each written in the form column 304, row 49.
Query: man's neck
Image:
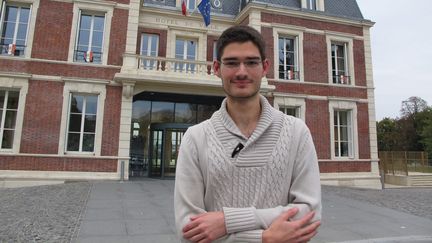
column 245, row 113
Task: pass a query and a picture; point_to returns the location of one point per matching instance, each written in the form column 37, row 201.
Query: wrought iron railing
column 289, row 75
column 341, row 79
column 85, row 56
column 12, row 49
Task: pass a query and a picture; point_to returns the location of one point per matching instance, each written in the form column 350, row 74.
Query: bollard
column 122, row 165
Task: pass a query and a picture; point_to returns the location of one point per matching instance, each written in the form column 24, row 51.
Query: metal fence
column 402, row 162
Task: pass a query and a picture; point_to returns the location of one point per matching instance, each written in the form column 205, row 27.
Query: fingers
column 308, row 232
column 288, row 214
column 189, row 226
column 306, row 219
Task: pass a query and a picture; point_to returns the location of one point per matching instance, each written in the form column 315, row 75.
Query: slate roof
column 339, row 8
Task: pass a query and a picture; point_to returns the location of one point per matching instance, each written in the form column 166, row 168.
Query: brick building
column 105, row 89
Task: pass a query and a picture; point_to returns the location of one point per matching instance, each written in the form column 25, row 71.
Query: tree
column 412, row 106
column 387, row 134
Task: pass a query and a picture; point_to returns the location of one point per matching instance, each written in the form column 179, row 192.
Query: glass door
column 165, row 143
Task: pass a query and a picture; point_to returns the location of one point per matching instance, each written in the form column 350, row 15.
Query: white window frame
column 16, row 84
column 149, row 64
column 89, row 45
column 83, row 114
column 319, row 4
column 298, row 34
column 175, row 34
column 82, row 88
column 34, row 6
column 330, row 39
column 283, row 101
column 179, row 3
column 90, row 7
column 352, row 108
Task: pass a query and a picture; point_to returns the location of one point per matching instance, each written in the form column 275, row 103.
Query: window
column 8, row 117
column 89, row 44
column 82, row 123
column 14, row 28
column 149, row 47
column 343, row 133
column 191, row 4
column 291, row 110
column 339, row 63
column 186, row 50
column 311, row 4
column 288, row 58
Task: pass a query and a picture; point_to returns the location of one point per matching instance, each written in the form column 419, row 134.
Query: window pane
column 191, row 50
column 90, row 123
column 191, row 4
column 154, row 44
column 85, row 22
column 344, row 149
column 83, row 38
column 7, row 140
column 179, row 49
column 97, row 39
column 344, row 134
column 206, row 111
column 73, row 142
column 22, row 31
column 91, row 105
column 337, row 149
column 162, row 112
column 24, row 15
column 2, row 98
column 10, row 119
column 11, row 13
column 77, row 104
column 8, row 30
column 343, row 115
column 145, row 41
column 12, row 100
column 185, row 113
column 75, row 123
column 88, row 142
column 340, row 51
column 98, row 23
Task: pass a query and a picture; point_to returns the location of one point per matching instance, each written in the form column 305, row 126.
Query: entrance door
column 165, row 139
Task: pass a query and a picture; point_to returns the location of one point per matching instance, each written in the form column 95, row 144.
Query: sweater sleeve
column 189, row 184
column 304, row 193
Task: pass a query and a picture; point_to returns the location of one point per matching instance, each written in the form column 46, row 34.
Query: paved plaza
column 142, row 211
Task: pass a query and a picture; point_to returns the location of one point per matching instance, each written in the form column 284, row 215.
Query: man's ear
column 266, row 67
column 216, row 67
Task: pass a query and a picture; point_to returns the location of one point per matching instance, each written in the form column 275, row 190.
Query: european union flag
column 204, row 8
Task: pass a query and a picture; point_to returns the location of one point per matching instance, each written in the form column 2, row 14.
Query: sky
column 401, row 52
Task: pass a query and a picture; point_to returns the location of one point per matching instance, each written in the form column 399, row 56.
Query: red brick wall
column 344, row 166
column 363, row 130
column 57, row 164
column 42, row 117
column 58, row 69
column 315, row 58
column 162, row 39
column 111, row 121
column 359, row 63
column 117, row 40
column 321, row 90
column 312, row 24
column 318, row 121
column 52, row 30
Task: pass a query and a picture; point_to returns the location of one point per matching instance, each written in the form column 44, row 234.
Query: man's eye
column 251, row 63
column 232, row 64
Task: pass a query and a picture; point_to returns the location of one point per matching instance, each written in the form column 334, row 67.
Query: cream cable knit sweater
column 276, row 170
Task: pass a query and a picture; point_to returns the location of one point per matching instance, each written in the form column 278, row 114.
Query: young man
column 249, row 173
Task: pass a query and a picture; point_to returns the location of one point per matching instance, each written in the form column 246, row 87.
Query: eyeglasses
column 249, row 64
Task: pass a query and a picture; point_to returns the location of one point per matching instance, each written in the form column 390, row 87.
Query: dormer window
column 315, row 5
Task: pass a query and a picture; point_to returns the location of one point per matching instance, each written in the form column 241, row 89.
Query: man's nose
column 241, row 70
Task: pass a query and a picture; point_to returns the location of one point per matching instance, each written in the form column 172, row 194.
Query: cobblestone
column 416, row 201
column 42, row 213
column 53, row 213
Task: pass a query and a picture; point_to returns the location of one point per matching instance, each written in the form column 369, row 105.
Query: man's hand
column 205, row 227
column 282, row 230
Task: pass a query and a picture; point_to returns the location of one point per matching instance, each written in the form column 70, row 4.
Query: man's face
column 241, row 70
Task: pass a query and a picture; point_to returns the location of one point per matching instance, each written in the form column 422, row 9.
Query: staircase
column 420, row 180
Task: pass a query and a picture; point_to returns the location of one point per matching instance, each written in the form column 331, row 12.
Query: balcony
column 170, row 73
column 341, row 79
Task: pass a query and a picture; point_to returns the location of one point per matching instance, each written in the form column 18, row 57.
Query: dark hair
column 241, row 34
